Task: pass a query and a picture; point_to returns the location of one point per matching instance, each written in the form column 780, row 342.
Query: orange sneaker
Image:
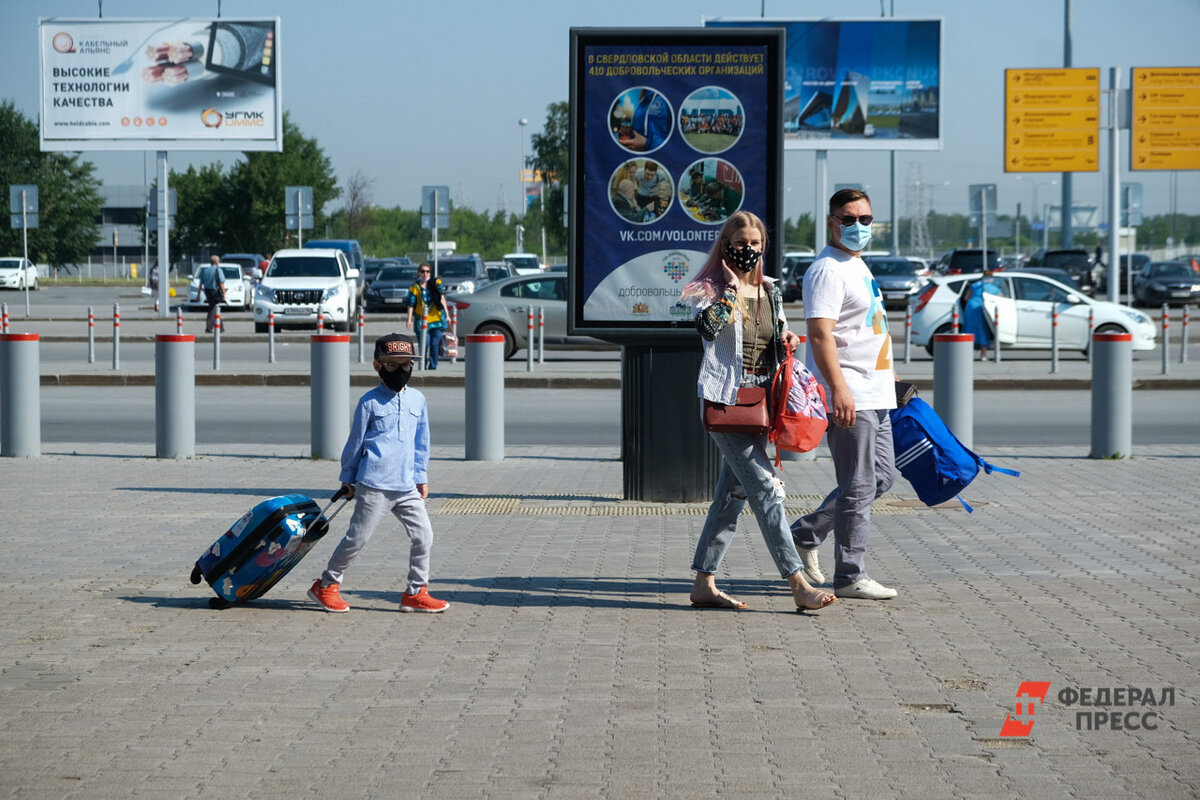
column 422, row 602
column 328, row 597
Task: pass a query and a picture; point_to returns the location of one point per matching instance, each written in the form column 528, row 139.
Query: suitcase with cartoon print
column 262, row 547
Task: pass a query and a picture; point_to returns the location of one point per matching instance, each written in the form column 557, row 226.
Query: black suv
column 960, row 262
column 461, row 273
column 1076, row 262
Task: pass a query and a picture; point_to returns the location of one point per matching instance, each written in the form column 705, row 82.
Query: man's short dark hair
column 843, row 197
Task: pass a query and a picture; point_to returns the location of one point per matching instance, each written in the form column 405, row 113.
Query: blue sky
column 425, row 93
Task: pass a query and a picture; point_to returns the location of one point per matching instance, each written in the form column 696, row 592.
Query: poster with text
column 671, row 132
column 859, row 84
column 155, row 84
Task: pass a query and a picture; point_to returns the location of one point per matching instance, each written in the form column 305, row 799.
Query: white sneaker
column 812, row 566
column 866, row 589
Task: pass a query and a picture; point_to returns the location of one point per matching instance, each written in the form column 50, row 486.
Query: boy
column 384, row 467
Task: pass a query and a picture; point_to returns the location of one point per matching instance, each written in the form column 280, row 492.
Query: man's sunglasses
column 865, row 219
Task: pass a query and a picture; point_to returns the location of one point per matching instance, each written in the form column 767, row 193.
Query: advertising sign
column 672, row 131
column 1165, row 131
column 155, row 84
column 1052, row 120
column 859, row 84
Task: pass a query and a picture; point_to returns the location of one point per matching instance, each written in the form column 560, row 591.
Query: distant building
column 123, row 210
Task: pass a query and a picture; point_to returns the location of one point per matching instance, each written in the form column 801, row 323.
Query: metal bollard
column 907, row 333
column 330, row 394
column 3, row 317
column 1166, row 336
column 541, row 334
column 419, row 330
column 320, row 322
column 954, row 326
column 174, row 396
column 270, row 337
column 529, row 340
column 953, row 383
column 179, row 321
column 996, row 337
column 91, row 336
column 20, row 407
column 1112, row 395
column 362, row 323
column 454, row 330
column 1091, row 329
column 1183, row 338
column 1053, row 338
column 217, row 327
column 116, row 336
column 485, row 397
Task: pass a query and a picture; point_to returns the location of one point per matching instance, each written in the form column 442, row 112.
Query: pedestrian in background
column 212, row 282
column 425, row 298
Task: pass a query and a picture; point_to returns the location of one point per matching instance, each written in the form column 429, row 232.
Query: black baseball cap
column 394, row 344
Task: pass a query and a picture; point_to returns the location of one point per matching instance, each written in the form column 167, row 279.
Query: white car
column 1025, row 313
column 300, row 284
column 237, row 293
column 16, row 272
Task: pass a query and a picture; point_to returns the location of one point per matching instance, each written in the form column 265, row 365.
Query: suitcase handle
column 339, row 494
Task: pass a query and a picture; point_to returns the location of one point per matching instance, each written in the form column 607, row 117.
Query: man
column 212, row 283
column 625, row 201
column 850, row 351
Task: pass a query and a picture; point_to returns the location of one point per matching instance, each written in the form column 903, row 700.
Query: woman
column 740, row 318
column 425, row 297
column 975, row 313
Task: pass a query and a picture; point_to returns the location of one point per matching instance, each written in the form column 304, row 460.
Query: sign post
column 435, row 214
column 298, row 210
column 23, row 208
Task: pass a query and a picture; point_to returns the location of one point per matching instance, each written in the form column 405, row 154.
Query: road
column 279, row 415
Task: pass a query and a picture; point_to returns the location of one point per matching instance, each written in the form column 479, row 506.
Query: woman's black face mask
column 743, row 258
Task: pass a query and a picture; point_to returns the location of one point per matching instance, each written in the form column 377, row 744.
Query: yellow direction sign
column 1052, row 120
column 1165, row 132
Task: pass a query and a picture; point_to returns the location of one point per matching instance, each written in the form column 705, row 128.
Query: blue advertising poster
column 859, row 84
column 672, row 132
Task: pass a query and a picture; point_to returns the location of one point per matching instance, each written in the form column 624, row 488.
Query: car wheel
column 947, row 328
column 496, row 329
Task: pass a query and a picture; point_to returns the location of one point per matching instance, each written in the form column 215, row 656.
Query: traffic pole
column 996, row 331
column 541, row 334
column 116, row 336
column 1091, row 329
column 954, row 319
column 178, row 321
column 529, row 340
column 1183, row 338
column 1166, row 336
column 1053, row 338
column 91, row 336
column 270, row 337
column 907, row 332
column 217, row 326
column 454, row 330
column 362, row 323
column 4, row 317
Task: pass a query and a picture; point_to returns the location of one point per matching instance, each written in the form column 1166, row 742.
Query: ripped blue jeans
column 746, row 475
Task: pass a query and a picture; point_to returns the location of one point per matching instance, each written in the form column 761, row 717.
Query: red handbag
column 749, row 415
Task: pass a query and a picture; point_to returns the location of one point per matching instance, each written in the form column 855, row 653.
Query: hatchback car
column 388, row 290
column 1166, row 282
column 237, row 294
column 503, row 307
column 898, row 278
column 1025, row 306
column 16, row 273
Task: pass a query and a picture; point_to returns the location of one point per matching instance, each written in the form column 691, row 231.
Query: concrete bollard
column 330, row 394
column 485, row 397
column 1112, row 395
column 174, row 395
column 20, row 406
column 953, row 383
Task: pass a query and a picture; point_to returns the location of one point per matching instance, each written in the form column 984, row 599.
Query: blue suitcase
column 262, row 547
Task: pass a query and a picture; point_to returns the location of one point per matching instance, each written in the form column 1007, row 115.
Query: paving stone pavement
column 570, row 664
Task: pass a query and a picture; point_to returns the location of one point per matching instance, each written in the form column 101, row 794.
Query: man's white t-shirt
column 840, row 287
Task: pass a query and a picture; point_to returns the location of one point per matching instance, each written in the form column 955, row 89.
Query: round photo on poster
column 710, row 190
column 641, row 119
column 641, row 191
column 711, row 119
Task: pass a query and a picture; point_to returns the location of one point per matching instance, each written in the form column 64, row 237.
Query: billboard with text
column 157, row 84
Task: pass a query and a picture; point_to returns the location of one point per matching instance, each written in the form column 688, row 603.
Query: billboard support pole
column 164, row 245
column 822, row 198
column 299, row 217
column 1114, row 188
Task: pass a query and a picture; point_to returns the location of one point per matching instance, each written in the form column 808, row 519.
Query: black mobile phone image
column 243, row 49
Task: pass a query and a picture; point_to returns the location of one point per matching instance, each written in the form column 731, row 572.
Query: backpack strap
column 990, row 468
column 958, row 497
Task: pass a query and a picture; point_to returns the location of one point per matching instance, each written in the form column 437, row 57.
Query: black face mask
column 742, row 258
column 396, row 379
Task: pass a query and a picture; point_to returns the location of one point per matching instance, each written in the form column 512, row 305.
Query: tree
column 203, row 199
column 68, row 194
column 552, row 156
column 358, row 201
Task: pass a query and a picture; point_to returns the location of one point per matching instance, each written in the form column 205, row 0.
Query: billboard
column 157, row 84
column 859, row 84
column 672, row 131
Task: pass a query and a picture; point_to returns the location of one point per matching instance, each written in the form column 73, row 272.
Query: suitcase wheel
column 196, row 573
column 218, row 603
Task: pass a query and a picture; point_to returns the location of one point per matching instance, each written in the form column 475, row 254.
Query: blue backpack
column 932, row 458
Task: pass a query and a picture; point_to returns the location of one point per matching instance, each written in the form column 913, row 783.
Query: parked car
column 957, row 262
column 374, row 265
column 17, row 272
column 897, row 277
column 1078, row 262
column 461, row 273
column 523, row 263
column 499, row 270
column 299, row 284
column 791, row 259
column 236, row 289
column 502, row 308
column 793, row 286
column 1172, row 282
column 354, row 255
column 388, row 291
column 1025, row 307
column 248, row 263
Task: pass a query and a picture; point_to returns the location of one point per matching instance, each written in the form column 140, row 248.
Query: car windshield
column 1066, row 260
column 893, row 266
column 972, row 260
column 1172, row 270
column 304, row 267
column 231, row 272
column 456, row 269
column 397, row 274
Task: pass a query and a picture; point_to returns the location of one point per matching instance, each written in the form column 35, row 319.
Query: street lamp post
column 521, row 174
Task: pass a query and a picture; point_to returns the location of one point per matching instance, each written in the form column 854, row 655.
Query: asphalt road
column 280, row 415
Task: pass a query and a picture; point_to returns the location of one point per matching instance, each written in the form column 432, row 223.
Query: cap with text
column 396, row 345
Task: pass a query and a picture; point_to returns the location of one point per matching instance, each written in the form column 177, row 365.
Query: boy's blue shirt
column 388, row 446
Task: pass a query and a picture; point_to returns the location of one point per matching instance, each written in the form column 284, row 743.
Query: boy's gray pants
column 370, row 507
